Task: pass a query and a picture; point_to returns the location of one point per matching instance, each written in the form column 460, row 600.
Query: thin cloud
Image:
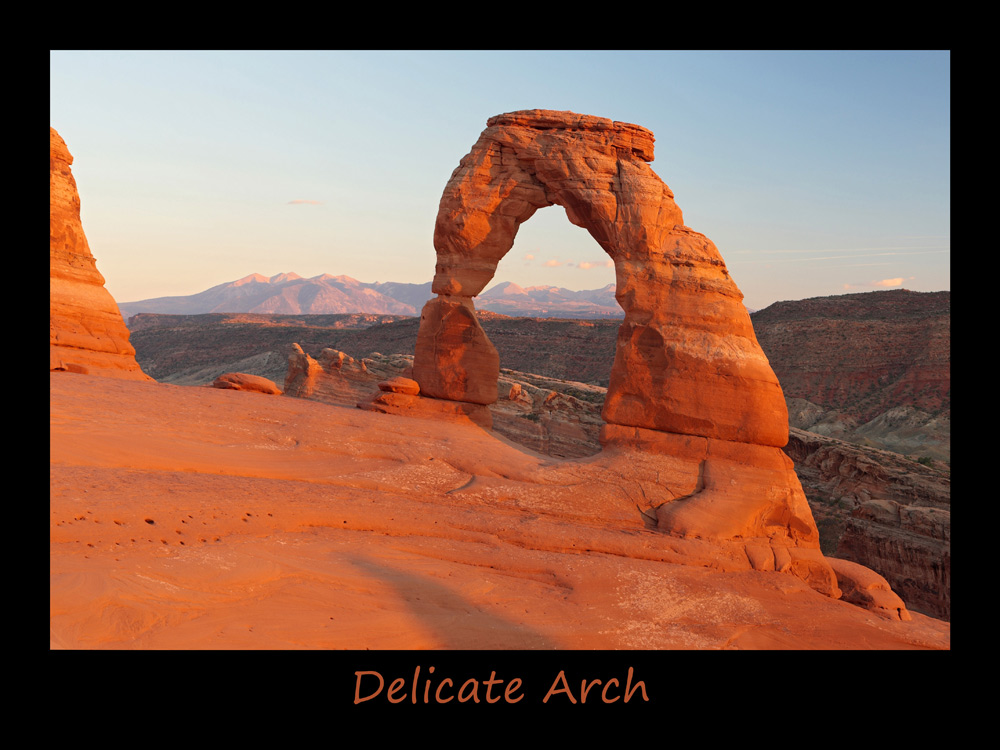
column 304, row 202
column 881, row 284
column 529, row 256
column 552, row 263
column 605, row 264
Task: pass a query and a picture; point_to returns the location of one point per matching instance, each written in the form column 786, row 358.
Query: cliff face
column 86, row 331
column 883, row 511
column 870, row 368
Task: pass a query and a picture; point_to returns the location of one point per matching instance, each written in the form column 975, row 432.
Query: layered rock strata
column 889, row 514
column 86, row 330
column 335, row 377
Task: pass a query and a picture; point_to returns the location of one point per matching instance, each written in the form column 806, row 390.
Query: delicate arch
column 687, row 359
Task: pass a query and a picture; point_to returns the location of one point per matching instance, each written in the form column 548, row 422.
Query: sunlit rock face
column 687, row 358
column 86, row 330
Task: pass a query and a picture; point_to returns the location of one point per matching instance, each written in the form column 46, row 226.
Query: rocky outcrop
column 454, row 359
column 553, row 417
column 241, row 381
column 334, row 378
column 862, row 587
column 86, row 331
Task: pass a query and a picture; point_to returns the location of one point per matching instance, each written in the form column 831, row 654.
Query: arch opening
column 556, row 350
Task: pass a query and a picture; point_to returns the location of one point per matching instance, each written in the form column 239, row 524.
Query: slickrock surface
column 191, row 517
column 86, row 331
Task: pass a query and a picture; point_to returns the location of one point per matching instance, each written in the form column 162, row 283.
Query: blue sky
column 815, row 173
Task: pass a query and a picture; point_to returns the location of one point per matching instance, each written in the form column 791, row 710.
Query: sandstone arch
column 687, row 359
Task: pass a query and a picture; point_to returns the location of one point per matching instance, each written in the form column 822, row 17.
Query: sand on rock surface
column 198, row 518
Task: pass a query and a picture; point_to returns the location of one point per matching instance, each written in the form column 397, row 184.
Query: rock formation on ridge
column 690, row 385
column 86, row 330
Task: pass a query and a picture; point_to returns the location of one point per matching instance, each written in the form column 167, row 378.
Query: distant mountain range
column 550, row 301
column 291, row 294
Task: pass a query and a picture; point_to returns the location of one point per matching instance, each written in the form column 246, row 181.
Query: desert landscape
column 467, row 507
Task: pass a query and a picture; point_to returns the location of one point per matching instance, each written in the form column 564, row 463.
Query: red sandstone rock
column 241, row 381
column 866, row 588
column 335, row 377
column 454, row 359
column 226, row 520
column 687, row 358
column 400, row 384
column 410, row 405
column 532, row 411
column 725, row 492
column 86, row 330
